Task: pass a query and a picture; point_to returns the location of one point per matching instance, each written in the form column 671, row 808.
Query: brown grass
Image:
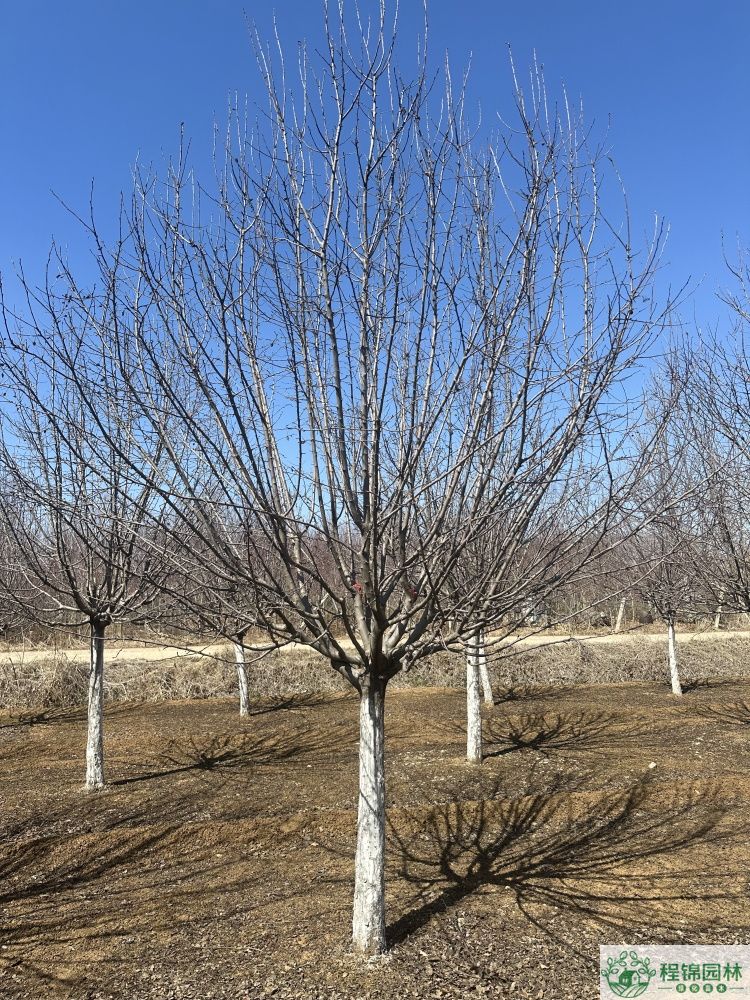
column 59, row 680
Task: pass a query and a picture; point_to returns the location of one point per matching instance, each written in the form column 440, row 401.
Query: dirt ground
column 157, row 651
column 218, row 863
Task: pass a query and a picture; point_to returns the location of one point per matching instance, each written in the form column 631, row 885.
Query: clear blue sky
column 88, row 85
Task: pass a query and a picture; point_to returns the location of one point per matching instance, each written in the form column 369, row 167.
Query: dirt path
column 543, row 639
column 114, row 652
column 155, row 653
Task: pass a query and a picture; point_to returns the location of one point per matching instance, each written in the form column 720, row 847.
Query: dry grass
column 59, row 680
column 631, row 658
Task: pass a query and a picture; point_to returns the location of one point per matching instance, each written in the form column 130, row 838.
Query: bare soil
column 116, row 651
column 218, row 863
column 158, row 651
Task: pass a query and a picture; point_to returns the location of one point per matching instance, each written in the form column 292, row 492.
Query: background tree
column 715, row 420
column 205, row 596
column 671, row 545
column 579, row 537
column 83, row 531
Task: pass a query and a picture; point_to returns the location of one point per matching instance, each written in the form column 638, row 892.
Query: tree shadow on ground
column 45, row 717
column 706, row 683
column 289, row 702
column 558, row 855
column 545, row 732
column 234, row 751
column 732, row 713
column 23, row 860
column 525, row 693
column 60, row 716
column 59, row 895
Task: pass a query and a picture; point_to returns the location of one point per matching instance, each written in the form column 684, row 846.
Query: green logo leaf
column 628, row 975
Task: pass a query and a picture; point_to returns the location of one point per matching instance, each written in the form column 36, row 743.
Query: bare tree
column 579, row 537
column 715, row 419
column 16, row 614
column 484, row 672
column 473, row 709
column 380, row 344
column 670, row 547
column 620, row 619
column 82, row 530
column 205, row 594
column 667, row 588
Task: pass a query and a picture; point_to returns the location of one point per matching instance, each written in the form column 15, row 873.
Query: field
column 218, row 863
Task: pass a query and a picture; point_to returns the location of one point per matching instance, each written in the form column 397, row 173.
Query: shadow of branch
column 567, row 853
column 545, row 732
column 732, row 713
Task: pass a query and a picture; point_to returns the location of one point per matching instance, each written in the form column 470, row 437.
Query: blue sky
column 89, row 85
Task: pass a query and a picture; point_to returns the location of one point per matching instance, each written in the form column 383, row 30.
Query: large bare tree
column 378, row 342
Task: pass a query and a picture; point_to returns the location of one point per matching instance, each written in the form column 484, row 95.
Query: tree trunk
column 95, row 741
column 620, row 616
column 484, row 672
column 473, row 707
column 239, row 656
column 672, row 657
column 368, row 925
column 717, row 618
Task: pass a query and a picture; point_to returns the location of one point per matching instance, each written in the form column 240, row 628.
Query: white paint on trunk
column 674, row 672
column 717, row 618
column 473, row 706
column 484, row 672
column 368, row 924
column 239, row 656
column 620, row 615
column 95, row 740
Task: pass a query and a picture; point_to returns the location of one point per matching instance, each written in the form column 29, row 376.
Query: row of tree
column 379, row 391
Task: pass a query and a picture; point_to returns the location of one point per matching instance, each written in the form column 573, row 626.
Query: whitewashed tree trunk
column 717, row 618
column 484, row 672
column 95, row 740
column 239, row 656
column 674, row 672
column 473, row 706
column 368, row 925
column 620, row 616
